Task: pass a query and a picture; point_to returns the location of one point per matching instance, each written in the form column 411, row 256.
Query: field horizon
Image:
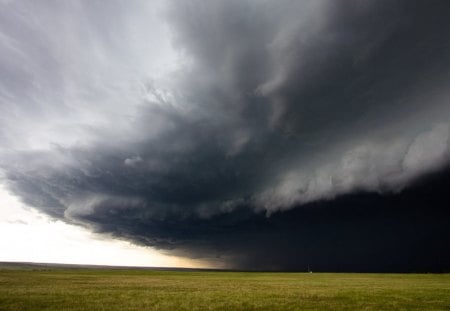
column 31, row 286
column 55, row 265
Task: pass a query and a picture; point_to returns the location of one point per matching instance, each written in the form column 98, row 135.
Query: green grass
column 103, row 289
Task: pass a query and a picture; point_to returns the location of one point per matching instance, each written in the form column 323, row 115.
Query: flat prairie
column 63, row 288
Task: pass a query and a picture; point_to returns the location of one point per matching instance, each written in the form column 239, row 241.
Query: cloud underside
column 276, row 115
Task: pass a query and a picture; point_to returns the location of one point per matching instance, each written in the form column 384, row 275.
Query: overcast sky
column 216, row 130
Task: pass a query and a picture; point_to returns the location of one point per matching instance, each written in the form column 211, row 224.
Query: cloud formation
column 176, row 124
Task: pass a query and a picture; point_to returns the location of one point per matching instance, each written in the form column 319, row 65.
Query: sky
column 30, row 236
column 260, row 135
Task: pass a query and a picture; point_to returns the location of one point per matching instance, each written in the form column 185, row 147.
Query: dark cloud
column 315, row 113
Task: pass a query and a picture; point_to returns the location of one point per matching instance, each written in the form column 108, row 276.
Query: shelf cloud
column 218, row 129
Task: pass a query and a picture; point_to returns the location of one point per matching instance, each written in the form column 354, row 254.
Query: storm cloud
column 220, row 129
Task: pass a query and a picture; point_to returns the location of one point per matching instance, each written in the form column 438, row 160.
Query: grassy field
column 115, row 289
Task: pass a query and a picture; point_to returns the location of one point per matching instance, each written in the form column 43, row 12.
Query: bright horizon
column 35, row 237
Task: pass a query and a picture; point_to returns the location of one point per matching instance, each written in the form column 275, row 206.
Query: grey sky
column 141, row 118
